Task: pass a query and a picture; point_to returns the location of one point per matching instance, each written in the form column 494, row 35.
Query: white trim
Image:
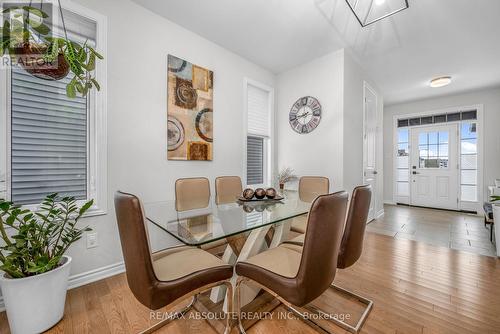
column 366, row 85
column 390, row 203
column 88, row 277
column 97, row 133
column 379, row 214
column 480, row 150
column 270, row 153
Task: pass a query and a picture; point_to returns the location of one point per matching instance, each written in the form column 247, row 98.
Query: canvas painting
column 189, row 111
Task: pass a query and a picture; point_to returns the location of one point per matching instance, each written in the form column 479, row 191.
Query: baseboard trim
column 379, row 214
column 390, row 203
column 87, row 277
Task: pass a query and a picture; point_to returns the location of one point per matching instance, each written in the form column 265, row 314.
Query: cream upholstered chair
column 351, row 247
column 163, row 278
column 310, row 187
column 192, row 193
column 296, row 275
column 227, row 189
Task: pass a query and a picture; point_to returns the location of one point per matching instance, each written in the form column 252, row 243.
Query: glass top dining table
column 201, row 226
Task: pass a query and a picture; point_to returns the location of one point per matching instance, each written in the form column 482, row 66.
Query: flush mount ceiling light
column 370, row 11
column 440, row 82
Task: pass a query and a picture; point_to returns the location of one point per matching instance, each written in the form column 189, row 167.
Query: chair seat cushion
column 488, row 210
column 175, row 264
column 299, row 224
column 283, row 261
column 298, row 240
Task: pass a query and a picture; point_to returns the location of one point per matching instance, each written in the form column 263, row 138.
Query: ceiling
column 401, row 54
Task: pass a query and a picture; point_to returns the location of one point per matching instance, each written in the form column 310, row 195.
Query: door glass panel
column 469, row 161
column 469, row 146
column 469, row 193
column 433, row 137
column 434, row 149
column 443, row 138
column 469, row 177
column 468, row 131
column 402, row 162
column 402, row 175
column 403, row 150
column 403, row 136
column 403, row 189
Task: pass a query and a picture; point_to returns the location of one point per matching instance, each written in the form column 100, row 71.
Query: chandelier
column 370, row 11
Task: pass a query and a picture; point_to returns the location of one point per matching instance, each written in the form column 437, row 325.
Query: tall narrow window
column 55, row 143
column 402, row 158
column 468, row 161
column 258, row 134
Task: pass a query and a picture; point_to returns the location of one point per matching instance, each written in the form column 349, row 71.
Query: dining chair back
column 311, row 187
column 227, row 189
column 354, row 232
column 192, row 193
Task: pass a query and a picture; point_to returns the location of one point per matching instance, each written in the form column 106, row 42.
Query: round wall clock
column 305, row 114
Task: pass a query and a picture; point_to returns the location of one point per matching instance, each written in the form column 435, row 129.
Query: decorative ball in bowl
column 271, row 193
column 260, row 193
column 248, row 193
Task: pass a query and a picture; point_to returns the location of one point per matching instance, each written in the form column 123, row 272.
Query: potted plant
column 496, row 220
column 25, row 37
column 32, row 257
column 284, row 176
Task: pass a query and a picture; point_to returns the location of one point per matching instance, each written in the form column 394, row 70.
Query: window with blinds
column 258, row 134
column 49, row 131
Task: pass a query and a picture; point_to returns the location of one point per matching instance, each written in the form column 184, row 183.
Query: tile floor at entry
column 456, row 230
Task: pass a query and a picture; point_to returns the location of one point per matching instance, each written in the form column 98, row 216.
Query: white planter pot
column 35, row 304
column 496, row 218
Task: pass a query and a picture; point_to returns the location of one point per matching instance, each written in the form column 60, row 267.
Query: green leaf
column 36, row 11
column 38, row 27
column 96, row 84
column 71, row 90
column 95, row 53
column 52, row 51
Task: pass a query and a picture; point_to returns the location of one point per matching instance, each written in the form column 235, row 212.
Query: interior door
column 370, row 146
column 434, row 166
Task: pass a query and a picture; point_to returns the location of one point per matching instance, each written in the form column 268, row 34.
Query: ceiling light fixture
column 370, row 11
column 440, row 82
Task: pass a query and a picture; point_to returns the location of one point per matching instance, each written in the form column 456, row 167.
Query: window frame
column 463, row 205
column 269, row 141
column 97, row 122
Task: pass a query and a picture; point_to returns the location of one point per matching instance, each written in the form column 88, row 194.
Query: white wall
column 354, row 79
column 490, row 98
column 138, row 44
column 319, row 152
column 335, row 148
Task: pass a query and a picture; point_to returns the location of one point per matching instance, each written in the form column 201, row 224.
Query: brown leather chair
column 351, row 247
column 192, row 193
column 310, row 187
column 294, row 277
column 227, row 189
column 163, row 278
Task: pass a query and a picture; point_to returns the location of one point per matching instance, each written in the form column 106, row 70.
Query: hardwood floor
column 416, row 288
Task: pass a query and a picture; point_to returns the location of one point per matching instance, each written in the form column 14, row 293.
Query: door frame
column 366, row 86
column 464, row 206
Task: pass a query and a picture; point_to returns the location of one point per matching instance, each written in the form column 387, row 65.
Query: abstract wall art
column 189, row 111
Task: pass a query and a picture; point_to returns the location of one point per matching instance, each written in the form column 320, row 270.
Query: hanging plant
column 26, row 39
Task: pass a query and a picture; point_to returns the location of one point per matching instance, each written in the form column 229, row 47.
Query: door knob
column 414, row 173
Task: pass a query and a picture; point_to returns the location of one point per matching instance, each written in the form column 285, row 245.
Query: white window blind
column 259, row 117
column 255, row 160
column 49, row 131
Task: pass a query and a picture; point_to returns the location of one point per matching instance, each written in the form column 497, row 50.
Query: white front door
column 434, row 166
column 370, row 146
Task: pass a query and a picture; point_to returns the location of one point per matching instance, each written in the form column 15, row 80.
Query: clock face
column 305, row 115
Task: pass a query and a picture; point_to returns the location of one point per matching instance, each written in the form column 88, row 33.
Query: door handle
column 375, row 172
column 414, row 173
